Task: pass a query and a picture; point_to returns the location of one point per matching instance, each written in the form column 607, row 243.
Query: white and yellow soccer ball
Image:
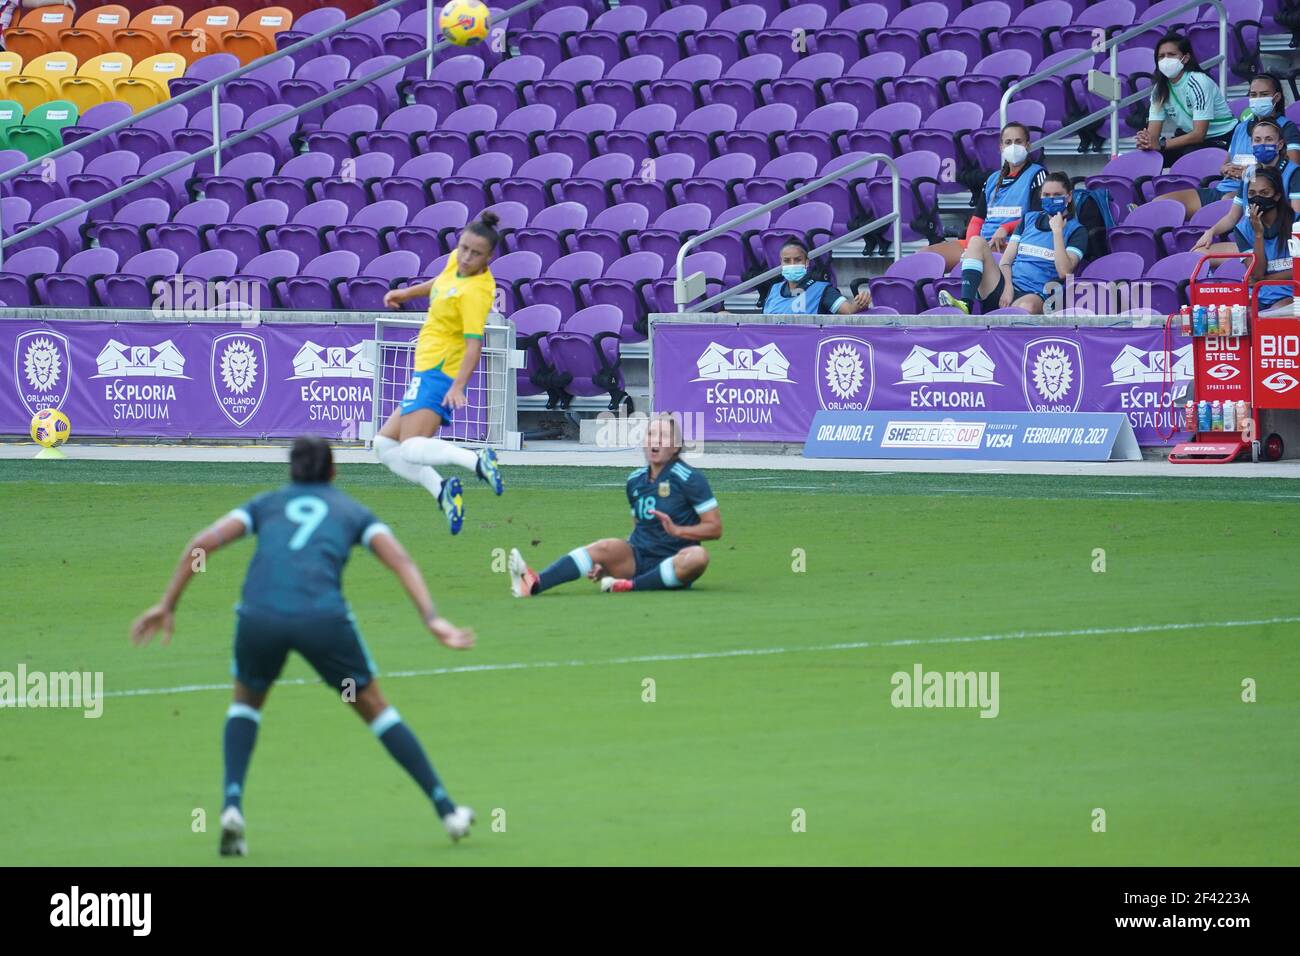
column 50, row 427
column 465, row 22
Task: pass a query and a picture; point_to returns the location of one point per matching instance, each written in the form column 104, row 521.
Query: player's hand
column 666, row 523
column 1256, row 220
column 449, row 635
column 1143, row 139
column 597, row 572
column 1232, row 170
column 1203, row 243
column 1005, row 301
column 394, row 298
column 862, row 300
column 998, row 241
column 1057, row 223
column 455, row 398
column 156, row 619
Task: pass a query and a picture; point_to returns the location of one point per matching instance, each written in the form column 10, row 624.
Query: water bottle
column 1189, row 417
column 1216, row 417
column 1229, row 416
column 1203, row 417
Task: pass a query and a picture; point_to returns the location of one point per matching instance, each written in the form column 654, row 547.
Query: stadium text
column 73, row 689
column 103, row 909
column 946, row 689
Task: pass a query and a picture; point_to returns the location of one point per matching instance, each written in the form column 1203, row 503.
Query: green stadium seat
column 39, row 132
column 11, row 114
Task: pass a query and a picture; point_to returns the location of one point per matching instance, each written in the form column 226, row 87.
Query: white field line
column 744, row 652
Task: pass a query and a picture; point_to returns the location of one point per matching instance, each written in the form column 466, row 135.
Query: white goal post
column 491, row 417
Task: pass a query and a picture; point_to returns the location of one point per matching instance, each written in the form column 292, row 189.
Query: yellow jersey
column 458, row 310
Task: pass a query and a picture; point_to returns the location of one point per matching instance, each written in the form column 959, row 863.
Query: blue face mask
column 1265, row 153
column 1054, row 204
column 793, row 273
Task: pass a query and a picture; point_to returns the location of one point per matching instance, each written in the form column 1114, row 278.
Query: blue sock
column 406, row 750
column 659, row 578
column 569, row 568
column 972, row 273
column 242, row 722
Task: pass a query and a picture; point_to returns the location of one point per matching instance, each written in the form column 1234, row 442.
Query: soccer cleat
column 522, row 577
column 950, row 300
column 488, row 470
column 232, row 833
column 612, row 584
column 453, row 504
column 458, row 822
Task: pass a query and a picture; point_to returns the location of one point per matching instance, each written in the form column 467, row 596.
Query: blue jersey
column 1290, row 185
column 679, row 491
column 815, row 297
column 304, row 535
column 1007, row 200
column 1240, row 152
column 1035, row 262
column 1278, row 252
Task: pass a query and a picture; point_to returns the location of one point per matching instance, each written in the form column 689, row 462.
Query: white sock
column 389, row 452
column 435, row 451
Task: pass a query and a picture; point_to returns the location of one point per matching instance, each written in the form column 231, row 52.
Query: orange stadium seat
column 147, row 32
column 38, row 31
column 93, row 32
column 203, row 32
column 255, row 36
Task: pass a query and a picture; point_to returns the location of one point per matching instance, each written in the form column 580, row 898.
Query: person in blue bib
column 1046, row 247
column 798, row 292
column 1265, row 232
column 1269, row 155
column 1010, row 192
column 1267, row 103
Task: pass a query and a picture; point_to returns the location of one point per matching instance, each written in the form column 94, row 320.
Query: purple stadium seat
column 93, row 120
column 721, row 38
column 444, row 89
column 696, row 133
column 309, row 24
column 171, row 187
column 625, row 285
column 512, row 272
column 649, row 186
column 608, row 34
column 903, row 285
column 49, row 181
column 380, row 92
column 313, row 79
column 105, row 172
column 1110, row 16
column 258, row 88
column 501, row 89
column 125, row 233
column 233, row 186
column 259, row 272
column 365, row 233
column 636, row 131
column 515, row 134
column 619, row 85
column 197, row 134
column 985, row 83
column 663, row 37
column 926, row 79
column 918, row 173
column 1192, row 170
column 559, row 88
column 70, row 287
column 584, row 353
column 1182, row 238
column 1125, row 176
column 1168, row 280
column 184, row 233
column 1144, row 230
column 882, row 131
column 942, row 134
column 860, row 86
column 430, row 233
column 341, row 130
column 810, row 221
column 413, row 184
column 545, row 232
column 131, row 286
column 304, row 234
column 316, row 287
column 532, row 324
column 397, row 135
column 969, row 30
column 606, row 234
column 593, row 183
column 903, row 34
column 574, row 134
column 756, row 134
column 245, row 233
column 802, row 84
column 775, row 179
column 292, row 184
column 21, row 271
column 739, row 86
column 468, row 187
column 365, row 39
column 455, row 132
column 1029, row 29
column 365, row 292
column 207, row 68
column 669, row 229
column 546, row 39
column 534, row 182
column 680, row 83
column 660, row 292
column 846, row 35
column 557, row 285
column 803, row 19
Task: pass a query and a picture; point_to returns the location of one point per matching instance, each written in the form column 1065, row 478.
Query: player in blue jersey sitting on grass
column 674, row 510
column 292, row 601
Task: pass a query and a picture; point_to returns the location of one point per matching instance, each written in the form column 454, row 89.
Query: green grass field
column 1119, row 690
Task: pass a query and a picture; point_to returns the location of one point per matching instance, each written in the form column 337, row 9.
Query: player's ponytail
column 485, row 227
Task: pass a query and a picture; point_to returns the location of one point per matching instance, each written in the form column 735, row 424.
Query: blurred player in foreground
column 292, row 600
column 674, row 510
column 446, row 354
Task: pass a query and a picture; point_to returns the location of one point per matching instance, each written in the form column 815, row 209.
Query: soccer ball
column 465, row 22
column 50, row 427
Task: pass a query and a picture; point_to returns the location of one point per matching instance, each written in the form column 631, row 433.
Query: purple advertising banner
column 765, row 382
column 178, row 380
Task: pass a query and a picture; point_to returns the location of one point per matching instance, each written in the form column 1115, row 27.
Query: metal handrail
column 1111, row 46
column 240, row 136
column 784, row 201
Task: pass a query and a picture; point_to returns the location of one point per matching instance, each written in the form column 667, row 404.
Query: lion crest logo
column 1053, row 373
column 238, row 367
column 239, row 374
column 844, row 371
column 41, row 364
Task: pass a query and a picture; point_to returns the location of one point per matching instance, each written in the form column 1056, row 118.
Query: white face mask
column 1170, row 66
column 1015, row 154
column 1261, row 106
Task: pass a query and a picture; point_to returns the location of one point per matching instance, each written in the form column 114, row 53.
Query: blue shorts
column 427, row 389
column 332, row 646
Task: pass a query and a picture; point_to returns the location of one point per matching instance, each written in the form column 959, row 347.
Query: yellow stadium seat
column 93, row 32
column 147, row 84
column 203, row 32
column 11, row 64
column 147, row 32
column 96, row 79
column 41, row 79
column 38, row 31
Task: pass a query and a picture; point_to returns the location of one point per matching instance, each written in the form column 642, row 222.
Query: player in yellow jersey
column 446, row 354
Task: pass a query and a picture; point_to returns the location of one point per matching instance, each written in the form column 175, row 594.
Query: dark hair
column 310, row 460
column 798, row 243
column 1064, row 180
column 1271, row 77
column 1285, row 214
column 1267, row 121
column 1192, row 65
column 1006, row 167
column 485, row 227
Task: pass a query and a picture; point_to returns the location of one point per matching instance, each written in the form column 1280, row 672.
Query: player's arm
column 708, row 529
column 475, row 305
column 162, row 615
column 390, row 551
column 395, row 297
column 456, row 394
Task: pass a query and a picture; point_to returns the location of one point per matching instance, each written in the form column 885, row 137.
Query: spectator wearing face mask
column 1266, row 103
column 1009, row 193
column 797, row 292
column 1046, row 247
column 1267, row 151
column 1266, row 230
column 1200, row 113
